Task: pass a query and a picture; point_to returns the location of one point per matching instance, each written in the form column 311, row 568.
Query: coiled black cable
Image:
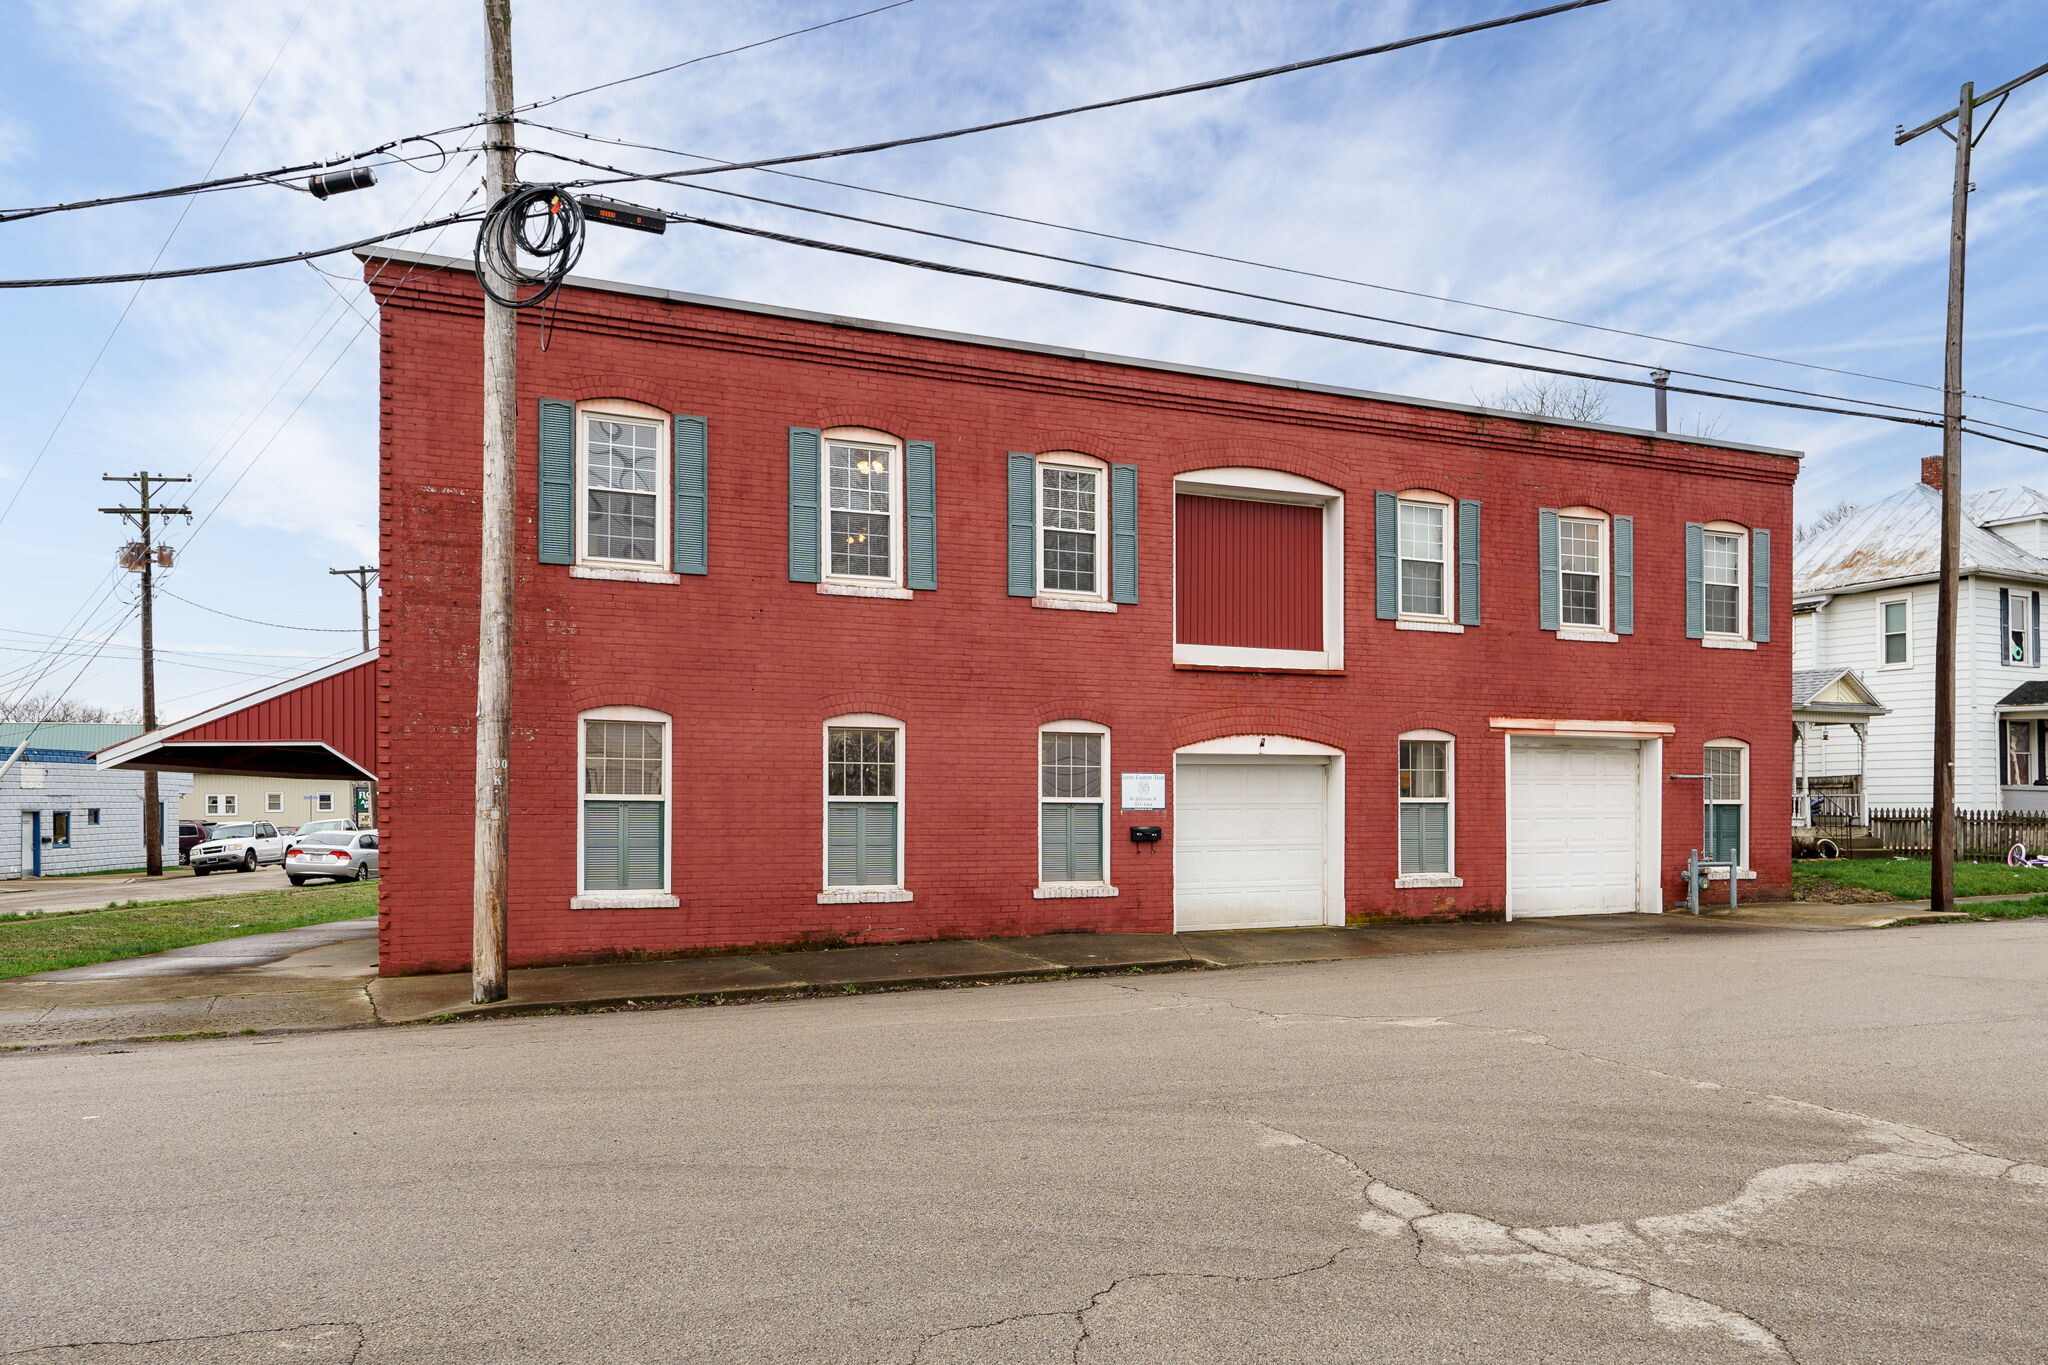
column 538, row 221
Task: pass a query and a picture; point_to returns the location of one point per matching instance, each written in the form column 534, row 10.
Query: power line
column 276, row 625
column 1217, row 83
column 1259, row 265
column 190, row 271
column 677, row 66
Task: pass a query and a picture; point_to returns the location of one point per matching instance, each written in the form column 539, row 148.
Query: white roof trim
column 130, row 748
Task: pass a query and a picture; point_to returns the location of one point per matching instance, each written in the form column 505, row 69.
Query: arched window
column 862, row 470
column 1426, row 534
column 1724, row 580
column 1073, row 527
column 1073, row 807
column 1427, row 790
column 622, row 811
column 1726, row 765
column 622, row 485
column 863, row 809
column 1584, row 569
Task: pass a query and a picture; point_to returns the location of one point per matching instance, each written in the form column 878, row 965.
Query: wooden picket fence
column 1979, row 833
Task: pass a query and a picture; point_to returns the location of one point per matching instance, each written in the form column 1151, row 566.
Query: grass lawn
column 2026, row 909
column 1908, row 879
column 43, row 945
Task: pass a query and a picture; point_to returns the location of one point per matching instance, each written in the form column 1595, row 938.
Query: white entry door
column 28, row 843
column 1575, row 809
column 1250, row 843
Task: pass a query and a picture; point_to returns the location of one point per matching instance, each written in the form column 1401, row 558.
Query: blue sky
column 1721, row 173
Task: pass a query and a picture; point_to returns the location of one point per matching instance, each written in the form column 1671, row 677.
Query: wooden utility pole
column 1964, row 135
column 364, row 575
column 494, row 640
column 146, row 555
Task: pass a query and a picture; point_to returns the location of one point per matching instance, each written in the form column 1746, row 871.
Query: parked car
column 312, row 827
column 346, row 855
column 191, row 834
column 243, row 846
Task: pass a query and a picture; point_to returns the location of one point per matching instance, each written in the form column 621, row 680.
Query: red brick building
column 842, row 630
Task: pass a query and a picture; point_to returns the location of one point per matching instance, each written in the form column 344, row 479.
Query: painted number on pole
column 1144, row 791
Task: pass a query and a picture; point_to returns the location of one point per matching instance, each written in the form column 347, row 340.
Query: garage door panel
column 1249, row 844
column 1577, row 827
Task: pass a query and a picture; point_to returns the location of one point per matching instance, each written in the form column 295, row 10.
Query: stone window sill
column 863, row 590
column 1427, row 879
column 1071, row 604
column 1727, row 642
column 1599, row 637
column 1073, row 891
column 864, row 895
column 1440, row 627
column 624, row 575
column 624, row 900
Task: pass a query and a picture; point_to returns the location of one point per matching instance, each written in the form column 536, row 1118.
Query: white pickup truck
column 242, row 847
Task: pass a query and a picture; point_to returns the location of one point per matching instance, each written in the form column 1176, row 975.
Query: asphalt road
column 1822, row 1147
column 41, row 895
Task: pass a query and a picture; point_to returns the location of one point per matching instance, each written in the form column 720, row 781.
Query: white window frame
column 2006, row 753
column 1447, row 509
column 861, row 585
column 1071, row 460
column 1071, row 890
column 1603, row 629
column 222, row 803
column 1449, row 800
column 323, row 802
column 1271, row 485
column 2019, row 621
column 859, row 895
column 273, row 803
column 1906, row 631
column 1740, row 534
column 656, row 570
column 646, row 898
column 1742, row 748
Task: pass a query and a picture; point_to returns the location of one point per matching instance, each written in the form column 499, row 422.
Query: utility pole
column 146, row 555
column 364, row 575
column 1965, row 136
column 494, row 642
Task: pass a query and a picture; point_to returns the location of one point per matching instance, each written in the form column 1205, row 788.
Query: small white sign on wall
column 1144, row 791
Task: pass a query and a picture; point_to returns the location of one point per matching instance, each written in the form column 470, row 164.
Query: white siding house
column 60, row 814
column 1864, row 599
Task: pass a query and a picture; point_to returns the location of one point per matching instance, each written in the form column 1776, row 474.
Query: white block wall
column 115, row 843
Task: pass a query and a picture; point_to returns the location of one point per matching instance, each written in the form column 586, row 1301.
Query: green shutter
column 921, row 514
column 1468, row 562
column 805, row 530
column 1123, row 533
column 692, row 494
column 1760, row 586
column 1386, row 556
column 556, row 512
column 1070, row 842
column 624, row 845
column 1425, row 837
column 1547, row 611
column 1624, row 575
column 1724, row 833
column 860, row 843
column 1023, row 514
column 1695, row 581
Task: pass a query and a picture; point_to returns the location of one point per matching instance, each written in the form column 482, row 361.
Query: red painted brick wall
column 749, row 664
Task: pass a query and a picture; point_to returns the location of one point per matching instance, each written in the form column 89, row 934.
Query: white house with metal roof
column 1864, row 603
column 70, row 815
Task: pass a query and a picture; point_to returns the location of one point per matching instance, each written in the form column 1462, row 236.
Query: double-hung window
column 273, row 803
column 1073, row 758
column 624, row 504
column 861, row 491
column 1071, row 504
column 1425, row 561
column 1425, row 805
column 625, row 781
column 1721, row 554
column 1895, row 644
column 1727, row 793
column 2018, row 627
column 2019, row 753
column 220, row 803
column 863, row 807
column 1582, row 572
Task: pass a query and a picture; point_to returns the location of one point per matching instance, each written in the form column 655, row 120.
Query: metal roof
column 1898, row 540
column 468, row 267
column 2018, row 503
column 72, row 738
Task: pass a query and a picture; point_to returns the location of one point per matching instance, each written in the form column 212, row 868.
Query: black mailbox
column 1145, row 834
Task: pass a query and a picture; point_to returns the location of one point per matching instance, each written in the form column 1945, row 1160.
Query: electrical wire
column 1266, row 265
column 677, row 66
column 277, row 625
column 189, row 271
column 539, row 221
column 1217, row 83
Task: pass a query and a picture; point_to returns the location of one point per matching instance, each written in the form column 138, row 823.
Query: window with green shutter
column 863, row 805
column 1073, row 758
column 625, row 801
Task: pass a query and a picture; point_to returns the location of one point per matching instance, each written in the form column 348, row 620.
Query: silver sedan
column 346, row 855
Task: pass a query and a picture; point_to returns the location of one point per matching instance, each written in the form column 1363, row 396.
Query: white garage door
column 1249, row 843
column 1575, row 807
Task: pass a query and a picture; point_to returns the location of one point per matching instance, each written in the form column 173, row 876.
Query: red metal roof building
column 319, row 724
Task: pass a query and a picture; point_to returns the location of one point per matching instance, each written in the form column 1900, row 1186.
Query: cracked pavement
column 1816, row 1148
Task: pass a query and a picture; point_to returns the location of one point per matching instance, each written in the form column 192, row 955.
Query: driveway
column 41, row 895
column 1821, row 1147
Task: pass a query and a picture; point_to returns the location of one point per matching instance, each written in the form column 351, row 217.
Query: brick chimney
column 1930, row 471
